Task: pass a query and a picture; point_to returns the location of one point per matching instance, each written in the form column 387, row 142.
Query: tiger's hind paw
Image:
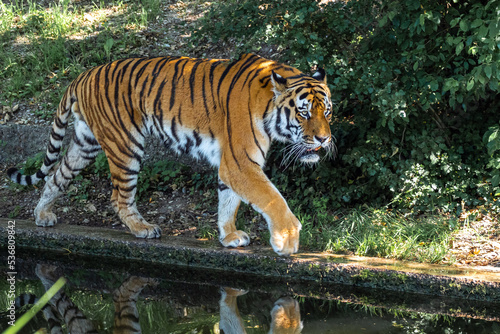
column 45, row 219
column 146, row 230
column 236, row 239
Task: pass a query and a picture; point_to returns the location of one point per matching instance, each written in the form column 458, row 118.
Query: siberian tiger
column 61, row 311
column 285, row 315
column 224, row 111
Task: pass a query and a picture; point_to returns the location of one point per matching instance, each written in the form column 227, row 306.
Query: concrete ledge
column 473, row 284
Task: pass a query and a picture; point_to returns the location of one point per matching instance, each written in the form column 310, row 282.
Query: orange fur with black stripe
column 226, row 112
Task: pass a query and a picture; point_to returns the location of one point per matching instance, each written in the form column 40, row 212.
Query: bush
column 415, row 85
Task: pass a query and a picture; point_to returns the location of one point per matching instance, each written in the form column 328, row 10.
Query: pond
column 113, row 296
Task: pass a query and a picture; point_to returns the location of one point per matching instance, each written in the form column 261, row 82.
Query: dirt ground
column 477, row 243
column 178, row 212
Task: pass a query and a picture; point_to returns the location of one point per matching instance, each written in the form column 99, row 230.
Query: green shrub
column 492, row 141
column 415, row 85
column 159, row 176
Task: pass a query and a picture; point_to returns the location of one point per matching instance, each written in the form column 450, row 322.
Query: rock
column 91, row 207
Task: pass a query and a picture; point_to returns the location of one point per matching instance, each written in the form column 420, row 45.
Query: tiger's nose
column 322, row 140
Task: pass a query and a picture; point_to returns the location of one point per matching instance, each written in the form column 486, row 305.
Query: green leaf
column 390, row 125
column 494, row 28
column 487, row 71
column 470, row 84
column 413, row 5
column 464, row 26
column 495, row 180
column 483, row 31
column 482, row 79
column 422, row 19
column 434, row 85
column 493, row 142
column 459, row 48
column 493, row 135
column 493, row 84
column 476, row 23
column 382, row 22
column 26, row 317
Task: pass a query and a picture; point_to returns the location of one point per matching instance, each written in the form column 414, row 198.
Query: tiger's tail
column 48, row 310
column 53, row 149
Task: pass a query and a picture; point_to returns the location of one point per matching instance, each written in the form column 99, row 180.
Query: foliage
column 80, row 190
column 101, row 165
column 14, row 213
column 492, row 141
column 33, row 164
column 381, row 233
column 159, row 176
column 415, row 86
column 47, row 59
column 167, row 175
column 414, row 82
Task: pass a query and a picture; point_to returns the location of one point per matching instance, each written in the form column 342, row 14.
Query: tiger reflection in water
column 61, row 310
column 285, row 315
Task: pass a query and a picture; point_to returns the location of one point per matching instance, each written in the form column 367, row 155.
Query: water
column 113, row 296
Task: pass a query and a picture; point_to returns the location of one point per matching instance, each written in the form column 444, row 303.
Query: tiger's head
column 301, row 116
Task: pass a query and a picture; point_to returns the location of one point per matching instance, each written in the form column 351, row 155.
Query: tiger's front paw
column 236, row 239
column 286, row 316
column 285, row 240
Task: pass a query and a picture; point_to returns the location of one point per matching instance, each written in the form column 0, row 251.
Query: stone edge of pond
column 403, row 277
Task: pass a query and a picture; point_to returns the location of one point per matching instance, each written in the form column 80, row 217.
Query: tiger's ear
column 279, row 83
column 320, row 75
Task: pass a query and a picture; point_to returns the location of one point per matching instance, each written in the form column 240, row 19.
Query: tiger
column 224, row 111
column 62, row 312
column 285, row 314
column 61, row 306
column 126, row 319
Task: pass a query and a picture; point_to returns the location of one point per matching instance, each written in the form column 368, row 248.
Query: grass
column 382, row 233
column 43, row 49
